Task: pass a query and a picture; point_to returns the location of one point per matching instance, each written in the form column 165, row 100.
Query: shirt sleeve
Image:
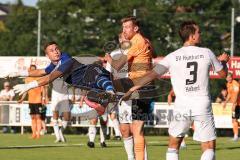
column 66, row 66
column 137, row 48
column 217, row 66
column 109, row 68
column 162, row 66
column 50, row 68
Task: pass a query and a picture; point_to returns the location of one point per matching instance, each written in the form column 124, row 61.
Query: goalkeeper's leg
column 92, row 133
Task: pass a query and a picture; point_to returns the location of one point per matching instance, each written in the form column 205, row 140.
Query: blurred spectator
column 7, row 94
column 222, row 97
column 35, row 99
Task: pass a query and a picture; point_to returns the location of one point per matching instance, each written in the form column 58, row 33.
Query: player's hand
column 126, row 96
column 20, row 101
column 102, row 59
column 107, row 57
column 9, row 75
column 21, row 88
column 223, row 57
column 169, row 100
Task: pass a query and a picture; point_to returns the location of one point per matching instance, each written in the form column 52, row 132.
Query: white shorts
column 111, row 108
column 61, row 106
column 125, row 112
column 204, row 127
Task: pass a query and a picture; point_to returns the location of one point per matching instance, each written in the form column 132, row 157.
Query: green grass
column 76, row 149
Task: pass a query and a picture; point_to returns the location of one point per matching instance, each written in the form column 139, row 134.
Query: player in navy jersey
column 72, row 71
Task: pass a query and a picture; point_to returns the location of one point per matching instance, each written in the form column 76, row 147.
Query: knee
column 208, row 145
column 125, row 132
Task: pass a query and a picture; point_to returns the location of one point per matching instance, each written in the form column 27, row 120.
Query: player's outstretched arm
column 22, row 88
column 144, row 80
column 24, row 73
column 116, row 64
column 223, row 58
column 37, row 73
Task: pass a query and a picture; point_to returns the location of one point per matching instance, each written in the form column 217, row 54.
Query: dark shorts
column 35, row 108
column 38, row 108
column 43, row 112
column 237, row 113
column 141, row 109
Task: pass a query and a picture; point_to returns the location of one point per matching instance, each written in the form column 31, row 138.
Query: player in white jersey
column 61, row 107
column 125, row 109
column 189, row 68
column 116, row 54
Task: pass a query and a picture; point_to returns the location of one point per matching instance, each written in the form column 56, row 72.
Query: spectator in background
column 7, row 94
column 222, row 97
column 35, row 99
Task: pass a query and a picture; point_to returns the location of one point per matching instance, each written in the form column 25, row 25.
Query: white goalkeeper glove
column 20, row 73
column 22, row 88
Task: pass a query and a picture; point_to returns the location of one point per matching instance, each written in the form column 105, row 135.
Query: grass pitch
column 20, row 147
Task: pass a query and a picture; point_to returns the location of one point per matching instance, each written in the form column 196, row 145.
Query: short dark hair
column 131, row 18
column 33, row 65
column 230, row 74
column 187, row 28
column 49, row 44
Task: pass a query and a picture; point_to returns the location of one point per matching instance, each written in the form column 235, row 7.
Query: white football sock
column 116, row 127
column 107, row 131
column 145, row 153
column 64, row 124
column 92, row 133
column 61, row 134
column 208, row 154
column 128, row 145
column 172, row 154
column 56, row 129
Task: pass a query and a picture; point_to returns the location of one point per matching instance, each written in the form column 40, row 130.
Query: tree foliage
column 82, row 26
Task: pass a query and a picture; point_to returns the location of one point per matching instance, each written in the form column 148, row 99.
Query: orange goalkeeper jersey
column 233, row 90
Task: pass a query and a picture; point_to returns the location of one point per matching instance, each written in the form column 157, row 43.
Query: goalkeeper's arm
column 21, row 88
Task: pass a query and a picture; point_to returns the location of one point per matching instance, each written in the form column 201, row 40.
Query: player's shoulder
column 116, row 52
column 235, row 83
column 65, row 55
column 139, row 39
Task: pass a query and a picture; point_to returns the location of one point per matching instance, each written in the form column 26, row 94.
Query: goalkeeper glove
column 21, row 88
column 20, row 73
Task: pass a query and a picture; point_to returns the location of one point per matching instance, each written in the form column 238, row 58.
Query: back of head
column 32, row 67
column 187, row 28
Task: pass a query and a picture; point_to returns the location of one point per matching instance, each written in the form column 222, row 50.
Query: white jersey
column 123, row 73
column 189, row 69
column 59, row 89
column 125, row 109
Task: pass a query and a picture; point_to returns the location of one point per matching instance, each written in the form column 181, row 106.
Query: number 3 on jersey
column 193, row 72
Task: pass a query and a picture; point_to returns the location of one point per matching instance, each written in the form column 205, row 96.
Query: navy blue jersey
column 64, row 57
column 78, row 74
